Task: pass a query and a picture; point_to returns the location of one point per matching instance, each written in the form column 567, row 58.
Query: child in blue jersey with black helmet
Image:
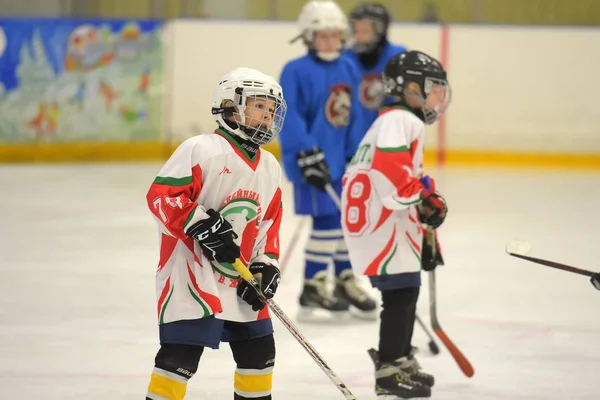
column 371, row 50
column 321, row 133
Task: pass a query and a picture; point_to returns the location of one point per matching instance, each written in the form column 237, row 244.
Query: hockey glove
column 596, row 281
column 430, row 259
column 314, row 168
column 433, row 209
column 268, row 277
column 216, row 238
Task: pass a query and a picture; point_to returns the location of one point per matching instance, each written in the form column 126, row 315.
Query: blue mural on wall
column 80, row 80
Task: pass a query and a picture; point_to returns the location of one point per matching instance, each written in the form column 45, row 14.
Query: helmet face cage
column 436, row 97
column 260, row 115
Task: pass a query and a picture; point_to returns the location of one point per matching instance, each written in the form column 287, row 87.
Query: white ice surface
column 77, row 305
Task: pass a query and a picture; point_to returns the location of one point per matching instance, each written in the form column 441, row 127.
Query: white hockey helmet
column 322, row 16
column 261, row 122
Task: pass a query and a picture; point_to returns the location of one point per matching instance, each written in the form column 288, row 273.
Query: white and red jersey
column 213, row 171
column 380, row 193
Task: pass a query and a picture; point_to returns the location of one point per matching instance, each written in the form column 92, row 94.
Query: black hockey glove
column 268, row 277
column 433, row 209
column 314, row 168
column 216, row 238
column 596, row 281
column 430, row 257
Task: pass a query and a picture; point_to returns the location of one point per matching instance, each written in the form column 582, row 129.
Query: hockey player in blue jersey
column 371, row 50
column 321, row 133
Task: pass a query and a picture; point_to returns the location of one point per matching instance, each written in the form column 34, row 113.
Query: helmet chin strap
column 418, row 112
column 244, row 141
column 235, row 127
column 227, row 113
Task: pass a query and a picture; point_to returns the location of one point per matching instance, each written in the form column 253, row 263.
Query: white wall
column 525, row 89
column 514, row 88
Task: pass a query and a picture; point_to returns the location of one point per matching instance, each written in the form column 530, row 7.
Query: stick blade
column 518, row 247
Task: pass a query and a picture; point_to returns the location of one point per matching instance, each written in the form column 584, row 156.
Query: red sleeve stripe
column 274, row 213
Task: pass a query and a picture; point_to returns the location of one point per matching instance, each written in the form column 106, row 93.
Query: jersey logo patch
column 372, row 91
column 225, row 171
column 337, row 108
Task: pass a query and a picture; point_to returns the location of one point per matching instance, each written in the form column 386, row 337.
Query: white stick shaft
column 334, row 196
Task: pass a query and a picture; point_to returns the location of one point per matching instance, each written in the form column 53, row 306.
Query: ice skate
column 411, row 366
column 361, row 304
column 392, row 382
column 317, row 302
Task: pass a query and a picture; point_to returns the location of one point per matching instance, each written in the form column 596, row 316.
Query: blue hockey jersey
column 323, row 111
column 371, row 92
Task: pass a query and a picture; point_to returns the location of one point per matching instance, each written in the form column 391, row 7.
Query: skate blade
column 320, row 316
column 364, row 315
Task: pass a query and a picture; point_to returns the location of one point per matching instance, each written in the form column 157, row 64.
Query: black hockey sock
column 411, row 323
column 397, row 322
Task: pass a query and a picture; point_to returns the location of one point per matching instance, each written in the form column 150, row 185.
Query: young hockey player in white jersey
column 217, row 199
column 387, row 204
column 321, row 133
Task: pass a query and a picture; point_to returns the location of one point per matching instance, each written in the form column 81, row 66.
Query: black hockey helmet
column 380, row 19
column 417, row 78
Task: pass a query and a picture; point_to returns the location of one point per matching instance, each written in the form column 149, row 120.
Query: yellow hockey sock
column 253, row 383
column 165, row 385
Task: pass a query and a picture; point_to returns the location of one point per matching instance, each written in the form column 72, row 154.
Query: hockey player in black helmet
column 371, row 50
column 418, row 82
column 388, row 204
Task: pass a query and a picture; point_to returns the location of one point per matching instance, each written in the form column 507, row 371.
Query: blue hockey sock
column 341, row 260
column 323, row 242
column 312, row 268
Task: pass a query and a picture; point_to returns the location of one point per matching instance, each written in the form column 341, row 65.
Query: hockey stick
column 433, row 347
column 519, row 249
column 248, row 277
column 460, row 359
column 334, row 196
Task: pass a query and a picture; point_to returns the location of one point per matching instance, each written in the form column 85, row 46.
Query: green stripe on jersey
column 385, row 264
column 393, row 149
column 167, row 180
column 164, row 307
column 189, row 218
column 200, row 301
